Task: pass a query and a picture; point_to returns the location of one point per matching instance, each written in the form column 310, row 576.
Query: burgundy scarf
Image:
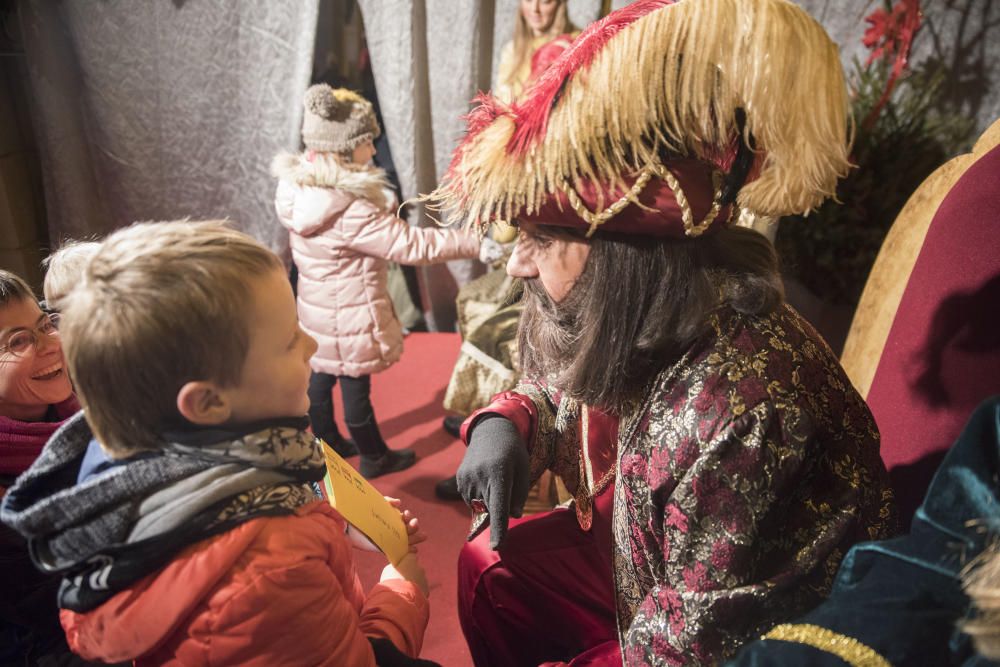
column 22, row 442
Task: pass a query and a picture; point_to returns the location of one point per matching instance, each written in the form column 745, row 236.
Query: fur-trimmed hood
column 312, row 191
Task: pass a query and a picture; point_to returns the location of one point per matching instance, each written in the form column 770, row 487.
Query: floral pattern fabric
column 747, row 473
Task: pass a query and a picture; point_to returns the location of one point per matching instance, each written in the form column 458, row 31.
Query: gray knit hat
column 336, row 120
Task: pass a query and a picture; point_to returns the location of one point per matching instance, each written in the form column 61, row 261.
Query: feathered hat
column 658, row 120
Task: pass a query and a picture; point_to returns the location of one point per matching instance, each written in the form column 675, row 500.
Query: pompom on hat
column 336, row 120
column 661, row 119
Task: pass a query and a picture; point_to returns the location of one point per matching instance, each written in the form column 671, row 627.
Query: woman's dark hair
column 639, row 303
column 14, row 288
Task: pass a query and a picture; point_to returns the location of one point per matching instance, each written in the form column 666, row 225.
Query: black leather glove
column 496, row 471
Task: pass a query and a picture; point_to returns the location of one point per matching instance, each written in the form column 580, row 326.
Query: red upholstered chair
column 924, row 346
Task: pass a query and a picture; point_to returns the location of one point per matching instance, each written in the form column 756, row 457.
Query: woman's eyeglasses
column 19, row 342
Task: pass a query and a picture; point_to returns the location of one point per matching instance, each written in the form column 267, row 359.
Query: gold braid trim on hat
column 595, row 220
column 848, row 649
column 691, row 229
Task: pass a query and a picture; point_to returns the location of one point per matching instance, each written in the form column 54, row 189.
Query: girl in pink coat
column 343, row 230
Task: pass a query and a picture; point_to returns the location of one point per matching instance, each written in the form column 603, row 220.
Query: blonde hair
column 160, row 304
column 63, row 269
column 981, row 582
column 523, row 36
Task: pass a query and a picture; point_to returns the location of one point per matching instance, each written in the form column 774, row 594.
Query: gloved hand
column 495, row 471
column 490, row 251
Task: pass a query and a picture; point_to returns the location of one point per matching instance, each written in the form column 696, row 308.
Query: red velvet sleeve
column 518, row 408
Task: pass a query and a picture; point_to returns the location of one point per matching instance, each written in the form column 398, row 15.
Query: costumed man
column 720, row 460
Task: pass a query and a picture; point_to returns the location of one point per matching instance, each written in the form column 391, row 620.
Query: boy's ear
column 201, row 402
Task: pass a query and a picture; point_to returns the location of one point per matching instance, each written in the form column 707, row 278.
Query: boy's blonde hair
column 63, row 270
column 159, row 305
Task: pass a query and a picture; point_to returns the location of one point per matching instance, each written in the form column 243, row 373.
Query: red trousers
column 546, row 596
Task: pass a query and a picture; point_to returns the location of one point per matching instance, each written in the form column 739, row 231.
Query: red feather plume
column 532, row 112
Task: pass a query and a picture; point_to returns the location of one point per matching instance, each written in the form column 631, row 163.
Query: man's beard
column 548, row 331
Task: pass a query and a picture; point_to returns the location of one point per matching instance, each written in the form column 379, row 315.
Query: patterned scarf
column 115, row 528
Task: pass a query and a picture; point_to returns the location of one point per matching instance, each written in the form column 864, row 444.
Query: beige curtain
column 164, row 109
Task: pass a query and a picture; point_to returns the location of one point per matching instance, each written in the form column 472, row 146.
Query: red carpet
column 407, row 399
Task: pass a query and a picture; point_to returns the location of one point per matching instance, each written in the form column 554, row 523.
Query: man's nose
column 520, row 264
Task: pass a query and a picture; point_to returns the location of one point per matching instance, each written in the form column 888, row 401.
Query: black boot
column 453, row 425
column 393, row 460
column 447, row 489
column 321, row 414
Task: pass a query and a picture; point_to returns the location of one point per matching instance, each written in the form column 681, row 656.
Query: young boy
column 180, row 509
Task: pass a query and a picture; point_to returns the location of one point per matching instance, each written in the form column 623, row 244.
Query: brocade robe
column 747, row 472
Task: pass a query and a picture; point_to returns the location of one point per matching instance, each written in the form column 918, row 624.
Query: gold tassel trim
column 848, row 649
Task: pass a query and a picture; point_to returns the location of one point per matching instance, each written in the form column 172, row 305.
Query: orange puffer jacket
column 272, row 591
column 343, row 231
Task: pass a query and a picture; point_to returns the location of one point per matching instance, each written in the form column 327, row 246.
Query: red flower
column 890, row 34
column 670, row 602
column 890, row 37
column 696, row 578
column 723, row 554
column 659, row 470
column 676, row 518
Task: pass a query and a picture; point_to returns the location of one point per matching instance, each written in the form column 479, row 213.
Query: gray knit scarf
column 115, row 528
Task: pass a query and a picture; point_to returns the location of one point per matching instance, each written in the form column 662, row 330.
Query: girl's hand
column 490, row 251
column 411, row 522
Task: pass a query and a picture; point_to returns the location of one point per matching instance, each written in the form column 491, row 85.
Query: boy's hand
column 408, row 568
column 411, row 522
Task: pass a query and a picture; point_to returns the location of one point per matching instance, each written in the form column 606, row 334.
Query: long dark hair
column 639, row 303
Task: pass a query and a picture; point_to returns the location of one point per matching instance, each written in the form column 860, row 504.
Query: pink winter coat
column 343, row 231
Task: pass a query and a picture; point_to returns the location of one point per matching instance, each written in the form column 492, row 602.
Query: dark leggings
column 358, row 413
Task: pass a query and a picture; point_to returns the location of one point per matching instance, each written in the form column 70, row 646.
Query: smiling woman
column 35, row 391
column 36, row 397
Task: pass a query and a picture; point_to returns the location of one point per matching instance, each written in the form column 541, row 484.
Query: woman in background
column 36, row 397
column 538, row 22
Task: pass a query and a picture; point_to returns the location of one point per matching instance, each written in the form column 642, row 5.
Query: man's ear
column 202, row 403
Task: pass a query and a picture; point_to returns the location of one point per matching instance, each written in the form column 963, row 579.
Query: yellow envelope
column 364, row 507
